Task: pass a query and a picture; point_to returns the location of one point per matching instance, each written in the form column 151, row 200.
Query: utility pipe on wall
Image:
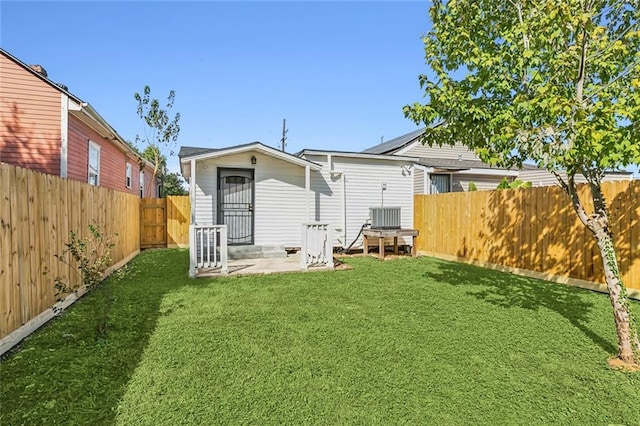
column 307, row 185
column 343, row 177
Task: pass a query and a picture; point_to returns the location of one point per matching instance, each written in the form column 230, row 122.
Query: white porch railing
column 317, row 245
column 207, row 248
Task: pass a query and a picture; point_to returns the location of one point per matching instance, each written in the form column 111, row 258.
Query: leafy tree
column 517, row 183
column 160, row 130
column 170, row 183
column 472, row 187
column 554, row 82
column 173, row 185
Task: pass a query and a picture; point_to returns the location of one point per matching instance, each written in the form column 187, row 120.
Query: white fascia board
column 426, row 169
column 255, row 147
column 74, row 106
column 64, row 134
column 89, row 116
column 360, row 155
column 487, row 172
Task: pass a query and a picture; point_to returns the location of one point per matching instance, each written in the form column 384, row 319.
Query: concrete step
column 256, row 252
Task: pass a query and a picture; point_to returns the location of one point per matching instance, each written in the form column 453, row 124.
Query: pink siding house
column 44, row 127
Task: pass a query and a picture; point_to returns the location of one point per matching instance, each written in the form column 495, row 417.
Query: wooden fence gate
column 153, row 223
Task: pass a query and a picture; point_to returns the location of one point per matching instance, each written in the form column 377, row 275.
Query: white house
column 263, row 196
column 453, row 168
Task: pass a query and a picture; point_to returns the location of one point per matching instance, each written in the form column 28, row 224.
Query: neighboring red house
column 45, row 128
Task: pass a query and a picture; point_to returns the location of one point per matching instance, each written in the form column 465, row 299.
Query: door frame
column 219, row 217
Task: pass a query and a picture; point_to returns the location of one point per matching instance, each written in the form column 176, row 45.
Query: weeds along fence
column 534, row 229
column 37, row 213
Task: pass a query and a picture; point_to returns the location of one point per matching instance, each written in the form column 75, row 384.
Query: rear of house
column 261, row 194
column 264, row 195
column 350, row 184
column 44, row 127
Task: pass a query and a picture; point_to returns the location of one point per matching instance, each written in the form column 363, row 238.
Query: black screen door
column 235, row 204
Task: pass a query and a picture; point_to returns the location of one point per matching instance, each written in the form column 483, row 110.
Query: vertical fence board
column 37, row 213
column 10, row 303
column 534, row 229
column 632, row 278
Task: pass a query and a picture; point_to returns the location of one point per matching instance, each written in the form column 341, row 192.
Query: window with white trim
column 141, row 184
column 127, row 177
column 94, row 164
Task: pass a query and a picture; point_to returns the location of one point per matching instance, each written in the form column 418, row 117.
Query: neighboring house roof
column 84, row 112
column 188, row 153
column 348, row 154
column 453, row 164
column 395, row 144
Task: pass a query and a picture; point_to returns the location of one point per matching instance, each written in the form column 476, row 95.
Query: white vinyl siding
column 364, row 178
column 418, row 181
column 483, row 182
column 458, row 151
column 544, row 178
column 94, row 164
column 279, row 192
column 280, row 195
column 127, row 175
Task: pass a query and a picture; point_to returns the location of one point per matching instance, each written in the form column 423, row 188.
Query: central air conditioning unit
column 385, row 217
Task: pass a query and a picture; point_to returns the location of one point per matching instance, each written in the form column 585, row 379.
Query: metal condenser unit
column 385, row 217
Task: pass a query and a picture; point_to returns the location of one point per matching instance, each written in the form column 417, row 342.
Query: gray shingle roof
column 453, row 164
column 395, row 144
column 190, row 151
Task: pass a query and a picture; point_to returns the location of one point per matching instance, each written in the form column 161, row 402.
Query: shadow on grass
column 512, row 291
column 75, row 369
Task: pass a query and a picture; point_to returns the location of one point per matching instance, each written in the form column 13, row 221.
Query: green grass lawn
column 415, row 341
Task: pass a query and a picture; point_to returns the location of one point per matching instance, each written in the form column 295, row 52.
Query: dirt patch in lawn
column 618, row 364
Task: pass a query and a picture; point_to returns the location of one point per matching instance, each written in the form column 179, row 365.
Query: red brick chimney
column 39, row 69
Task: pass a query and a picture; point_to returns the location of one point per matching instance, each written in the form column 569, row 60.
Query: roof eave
column 360, row 155
column 256, row 146
column 89, row 116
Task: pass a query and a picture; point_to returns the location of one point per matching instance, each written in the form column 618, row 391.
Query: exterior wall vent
column 385, row 217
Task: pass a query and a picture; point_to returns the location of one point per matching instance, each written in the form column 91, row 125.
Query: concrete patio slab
column 291, row 263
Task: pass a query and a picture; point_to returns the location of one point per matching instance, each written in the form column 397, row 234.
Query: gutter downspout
column 344, row 208
column 343, row 177
column 64, row 135
column 307, row 187
column 192, row 224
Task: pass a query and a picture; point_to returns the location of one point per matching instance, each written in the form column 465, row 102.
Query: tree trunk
column 628, row 343
column 598, row 224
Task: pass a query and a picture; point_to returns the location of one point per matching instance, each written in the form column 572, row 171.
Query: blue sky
column 339, row 72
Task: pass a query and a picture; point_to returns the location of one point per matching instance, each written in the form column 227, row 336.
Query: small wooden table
column 381, row 234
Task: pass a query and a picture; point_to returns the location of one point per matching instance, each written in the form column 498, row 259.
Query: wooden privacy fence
column 164, row 222
column 37, row 212
column 178, row 220
column 534, row 229
column 153, row 223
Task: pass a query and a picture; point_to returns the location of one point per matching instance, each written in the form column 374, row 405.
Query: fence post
column 192, row 251
column 329, row 246
column 223, row 249
column 303, row 249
